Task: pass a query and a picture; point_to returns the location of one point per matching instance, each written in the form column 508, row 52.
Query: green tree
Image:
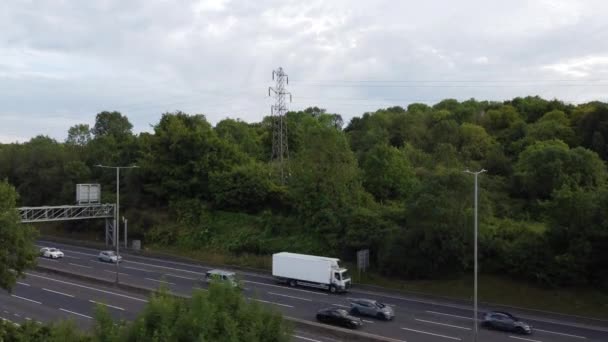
column 79, row 135
column 387, row 173
column 112, row 124
column 17, row 251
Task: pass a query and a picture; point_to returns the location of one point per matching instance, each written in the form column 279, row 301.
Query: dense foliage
column 221, row 314
column 390, row 181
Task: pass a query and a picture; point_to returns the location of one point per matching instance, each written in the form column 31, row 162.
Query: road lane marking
column 524, row 339
column 160, row 281
column 265, row 301
column 24, row 284
column 447, row 325
column 137, row 269
column 450, row 315
column 342, row 306
column 305, row 338
column 17, row 315
column 285, row 287
column 165, row 267
column 8, row 320
column 433, row 334
column 178, row 276
column 47, row 259
column 108, row 305
column 28, row 319
column 69, row 263
column 114, row 272
column 75, row 313
column 366, row 321
column 29, row 300
column 57, row 292
column 88, row 287
column 563, row 334
column 284, row 295
column 71, row 257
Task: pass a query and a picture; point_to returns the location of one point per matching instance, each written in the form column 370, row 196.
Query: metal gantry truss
column 71, row 212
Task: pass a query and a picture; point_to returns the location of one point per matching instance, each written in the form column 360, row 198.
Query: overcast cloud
column 61, row 62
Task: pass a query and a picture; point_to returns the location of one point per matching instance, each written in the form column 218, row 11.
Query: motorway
column 417, row 319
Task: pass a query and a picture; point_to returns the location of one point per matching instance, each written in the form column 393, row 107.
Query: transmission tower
column 280, row 148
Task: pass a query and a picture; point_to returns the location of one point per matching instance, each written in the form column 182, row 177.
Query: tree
column 17, row 250
column 112, row 124
column 79, row 135
column 549, row 165
column 475, row 143
column 387, row 173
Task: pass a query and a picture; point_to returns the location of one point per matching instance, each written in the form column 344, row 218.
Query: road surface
column 417, row 319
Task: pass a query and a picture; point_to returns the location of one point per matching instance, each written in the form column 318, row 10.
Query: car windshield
column 110, row 253
column 52, row 249
column 380, row 305
column 342, row 312
column 345, row 275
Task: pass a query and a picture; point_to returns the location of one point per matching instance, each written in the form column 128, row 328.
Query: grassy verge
column 492, row 289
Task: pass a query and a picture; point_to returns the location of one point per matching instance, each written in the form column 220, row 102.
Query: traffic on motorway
column 376, row 312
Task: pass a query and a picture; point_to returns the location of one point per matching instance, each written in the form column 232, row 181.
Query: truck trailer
column 310, row 270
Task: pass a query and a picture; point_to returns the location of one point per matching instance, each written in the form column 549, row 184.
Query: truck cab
column 341, row 280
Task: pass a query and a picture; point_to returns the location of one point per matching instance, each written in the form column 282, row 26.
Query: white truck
column 310, row 270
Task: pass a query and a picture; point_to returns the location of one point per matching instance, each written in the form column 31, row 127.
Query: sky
column 64, row 61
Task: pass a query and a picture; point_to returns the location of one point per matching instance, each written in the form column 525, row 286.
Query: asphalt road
column 44, row 298
column 417, row 319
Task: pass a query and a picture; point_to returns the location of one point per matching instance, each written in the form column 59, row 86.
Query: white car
column 50, row 252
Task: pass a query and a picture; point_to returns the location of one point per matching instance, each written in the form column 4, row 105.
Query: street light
column 117, row 210
column 476, row 331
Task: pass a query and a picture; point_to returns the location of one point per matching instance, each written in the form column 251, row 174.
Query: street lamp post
column 476, row 326
column 117, row 210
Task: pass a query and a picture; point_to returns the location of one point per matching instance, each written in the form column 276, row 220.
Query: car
column 51, row 252
column 109, row 256
column 373, row 308
column 339, row 317
column 222, row 276
column 505, row 321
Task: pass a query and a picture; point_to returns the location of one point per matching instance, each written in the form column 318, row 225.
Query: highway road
column 44, row 298
column 417, row 319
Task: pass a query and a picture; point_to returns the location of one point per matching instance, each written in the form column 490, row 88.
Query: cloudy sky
column 63, row 61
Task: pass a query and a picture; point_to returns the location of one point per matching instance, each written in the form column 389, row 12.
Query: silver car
column 369, row 307
column 109, row 256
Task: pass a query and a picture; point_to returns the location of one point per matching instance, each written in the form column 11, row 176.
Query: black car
column 338, row 317
column 505, row 321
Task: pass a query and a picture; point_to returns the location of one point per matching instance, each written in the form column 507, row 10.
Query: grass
column 492, row 288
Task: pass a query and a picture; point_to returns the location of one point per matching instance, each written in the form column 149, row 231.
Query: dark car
column 505, row 321
column 338, row 317
column 369, row 307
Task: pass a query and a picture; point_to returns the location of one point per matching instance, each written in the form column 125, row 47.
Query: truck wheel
column 332, row 289
column 292, row 283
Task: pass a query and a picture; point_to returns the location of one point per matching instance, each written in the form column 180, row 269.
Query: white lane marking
column 285, row 287
column 5, row 311
column 178, row 276
column 88, row 287
column 8, row 320
column 24, row 284
column 563, row 334
column 160, row 281
column 305, row 338
column 114, row 272
column 47, row 259
column 265, row 301
column 165, row 267
column 524, row 339
column 57, row 292
column 108, row 305
column 17, row 315
column 28, row 319
column 75, row 313
column 69, row 263
column 137, row 269
column 447, row 325
column 366, row 321
column 450, row 315
column 29, row 300
column 284, row 295
column 71, row 257
column 199, row 288
column 433, row 334
column 342, row 306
